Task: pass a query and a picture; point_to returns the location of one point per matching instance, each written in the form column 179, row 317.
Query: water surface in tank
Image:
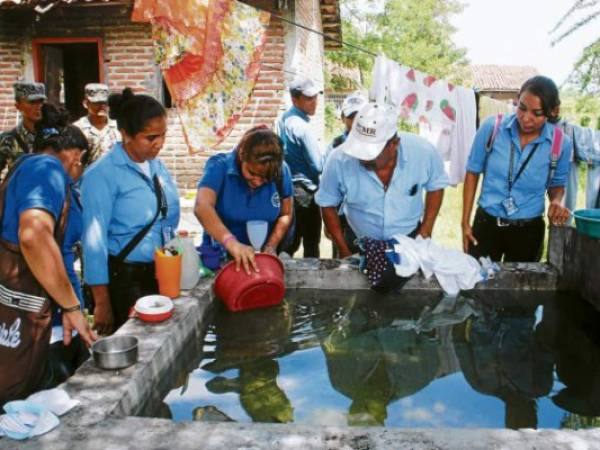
column 494, row 360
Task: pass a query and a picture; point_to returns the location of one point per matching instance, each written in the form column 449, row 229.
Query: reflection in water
column 355, row 356
column 500, row 355
column 571, row 332
column 248, row 341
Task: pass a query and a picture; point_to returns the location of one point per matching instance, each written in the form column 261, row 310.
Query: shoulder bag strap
column 161, row 208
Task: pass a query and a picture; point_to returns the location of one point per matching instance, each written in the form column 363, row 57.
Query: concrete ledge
column 577, row 260
column 158, row 434
column 313, row 273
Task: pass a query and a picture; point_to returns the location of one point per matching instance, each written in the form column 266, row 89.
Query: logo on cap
column 366, row 131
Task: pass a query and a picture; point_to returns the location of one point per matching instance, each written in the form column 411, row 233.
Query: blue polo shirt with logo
column 237, row 202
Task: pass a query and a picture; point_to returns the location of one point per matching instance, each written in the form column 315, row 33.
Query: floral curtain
column 209, row 52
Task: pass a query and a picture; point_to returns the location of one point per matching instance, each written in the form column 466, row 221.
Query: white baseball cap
column 374, row 125
column 305, row 85
column 353, row 103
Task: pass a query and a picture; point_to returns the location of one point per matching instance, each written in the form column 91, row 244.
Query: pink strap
column 497, row 124
column 557, row 141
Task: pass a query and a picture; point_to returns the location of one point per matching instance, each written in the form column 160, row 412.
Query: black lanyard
column 511, row 181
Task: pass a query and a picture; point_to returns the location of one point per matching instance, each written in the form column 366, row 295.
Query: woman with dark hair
column 34, row 205
column 131, row 207
column 522, row 157
column 252, row 182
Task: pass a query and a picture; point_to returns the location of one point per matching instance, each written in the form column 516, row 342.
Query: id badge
column 510, row 206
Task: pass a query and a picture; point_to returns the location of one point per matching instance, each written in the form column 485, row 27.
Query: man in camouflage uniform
column 29, row 98
column 100, row 131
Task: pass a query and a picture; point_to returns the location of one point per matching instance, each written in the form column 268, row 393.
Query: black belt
column 502, row 222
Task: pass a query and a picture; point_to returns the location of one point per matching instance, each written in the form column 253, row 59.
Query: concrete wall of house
column 128, row 61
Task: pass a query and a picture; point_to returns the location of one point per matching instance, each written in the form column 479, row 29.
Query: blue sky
column 516, row 32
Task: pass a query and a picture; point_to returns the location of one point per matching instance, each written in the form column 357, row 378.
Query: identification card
column 510, row 207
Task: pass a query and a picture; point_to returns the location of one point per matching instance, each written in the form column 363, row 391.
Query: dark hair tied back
column 260, row 145
column 133, row 111
column 545, row 89
column 54, row 131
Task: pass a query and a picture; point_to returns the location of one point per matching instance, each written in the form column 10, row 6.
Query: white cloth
column 462, row 134
column 417, row 96
column 36, row 415
column 454, row 270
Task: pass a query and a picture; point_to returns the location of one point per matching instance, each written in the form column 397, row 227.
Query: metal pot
column 115, row 352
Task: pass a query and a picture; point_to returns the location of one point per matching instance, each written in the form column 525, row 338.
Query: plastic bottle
column 189, row 262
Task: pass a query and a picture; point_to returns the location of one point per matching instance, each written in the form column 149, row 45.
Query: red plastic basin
column 240, row 291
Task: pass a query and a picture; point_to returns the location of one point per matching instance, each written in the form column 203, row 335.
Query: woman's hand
column 468, row 237
column 558, row 214
column 76, row 321
column 103, row 318
column 242, row 255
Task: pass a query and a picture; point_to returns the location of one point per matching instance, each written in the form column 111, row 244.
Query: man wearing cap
column 378, row 176
column 100, row 131
column 29, row 98
column 350, row 106
column 305, row 160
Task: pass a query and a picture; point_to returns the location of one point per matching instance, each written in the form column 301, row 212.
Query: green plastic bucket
column 587, row 222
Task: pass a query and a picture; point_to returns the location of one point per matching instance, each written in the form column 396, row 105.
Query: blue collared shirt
column 236, row 201
column 529, row 189
column 302, row 153
column 118, row 201
column 372, row 211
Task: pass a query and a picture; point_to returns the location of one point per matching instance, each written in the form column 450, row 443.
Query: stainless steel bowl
column 115, row 352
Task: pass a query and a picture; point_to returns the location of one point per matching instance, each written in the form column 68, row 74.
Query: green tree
column 416, row 33
column 583, row 14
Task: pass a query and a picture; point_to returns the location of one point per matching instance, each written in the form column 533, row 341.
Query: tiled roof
column 500, row 78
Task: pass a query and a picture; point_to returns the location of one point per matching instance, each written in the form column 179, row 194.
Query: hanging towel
column 462, row 134
column 418, row 97
column 454, row 270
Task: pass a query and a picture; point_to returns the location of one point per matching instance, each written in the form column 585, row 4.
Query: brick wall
column 304, row 55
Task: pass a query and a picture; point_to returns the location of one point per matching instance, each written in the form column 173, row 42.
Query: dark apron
column 25, row 314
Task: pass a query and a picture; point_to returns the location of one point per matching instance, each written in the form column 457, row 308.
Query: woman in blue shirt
column 516, row 162
column 130, row 208
column 249, row 183
column 34, row 199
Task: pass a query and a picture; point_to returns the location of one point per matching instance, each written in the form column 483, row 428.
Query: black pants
column 513, row 243
column 308, row 230
column 63, row 360
column 128, row 282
